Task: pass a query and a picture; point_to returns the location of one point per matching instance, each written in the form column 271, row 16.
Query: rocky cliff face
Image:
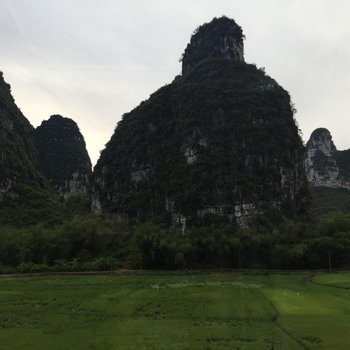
column 220, row 140
column 221, row 38
column 25, row 197
column 325, row 166
column 63, row 158
column 17, row 151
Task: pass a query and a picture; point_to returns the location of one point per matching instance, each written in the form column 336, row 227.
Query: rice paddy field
column 176, row 311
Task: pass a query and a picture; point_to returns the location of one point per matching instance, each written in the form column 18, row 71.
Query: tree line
column 85, row 241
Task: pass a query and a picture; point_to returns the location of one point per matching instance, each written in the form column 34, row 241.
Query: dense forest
column 81, row 240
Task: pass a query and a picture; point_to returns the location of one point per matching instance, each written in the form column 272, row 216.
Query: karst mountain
column 219, row 141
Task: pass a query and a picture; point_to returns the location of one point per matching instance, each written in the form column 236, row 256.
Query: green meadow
column 159, row 310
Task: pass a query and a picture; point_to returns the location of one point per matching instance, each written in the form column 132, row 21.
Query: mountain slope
column 24, row 194
column 220, row 139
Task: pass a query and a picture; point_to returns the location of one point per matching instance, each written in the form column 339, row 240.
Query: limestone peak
column 321, row 161
column 220, row 38
column 321, row 139
column 63, row 158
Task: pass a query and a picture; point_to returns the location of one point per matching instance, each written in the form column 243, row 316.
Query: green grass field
column 175, row 311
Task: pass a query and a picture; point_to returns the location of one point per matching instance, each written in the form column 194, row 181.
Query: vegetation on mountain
column 343, row 161
column 217, row 137
column 25, row 197
column 330, row 200
column 17, row 151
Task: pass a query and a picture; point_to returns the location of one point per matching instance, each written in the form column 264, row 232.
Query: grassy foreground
column 175, row 311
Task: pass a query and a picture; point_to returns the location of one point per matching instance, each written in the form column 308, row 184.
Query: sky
column 94, row 60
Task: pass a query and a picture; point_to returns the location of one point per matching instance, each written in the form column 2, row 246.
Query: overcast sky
column 93, row 60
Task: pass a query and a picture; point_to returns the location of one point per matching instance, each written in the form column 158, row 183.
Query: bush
column 101, row 264
column 30, row 267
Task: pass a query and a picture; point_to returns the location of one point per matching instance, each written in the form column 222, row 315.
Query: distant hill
column 26, row 196
column 328, row 171
column 63, row 158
